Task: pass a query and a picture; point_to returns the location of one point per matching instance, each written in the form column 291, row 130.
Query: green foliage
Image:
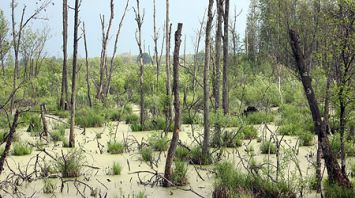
column 352, row 169
column 295, row 120
column 259, row 118
column 58, row 134
column 20, row 148
column 337, row 191
column 187, row 119
column 158, row 143
column 49, row 186
column 335, row 142
column 232, row 139
column 114, row 147
column 147, row 154
column 196, row 156
column 70, row 165
column 116, row 168
column 132, row 119
column 136, row 127
column 181, row 154
column 306, row 139
column 249, row 132
column 141, row 195
column 35, row 125
column 179, row 173
column 268, row 147
column 231, row 182
column 87, row 117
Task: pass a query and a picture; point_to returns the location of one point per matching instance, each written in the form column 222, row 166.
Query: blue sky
column 188, row 12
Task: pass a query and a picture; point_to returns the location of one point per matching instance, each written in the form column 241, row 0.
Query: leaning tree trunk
column 225, row 98
column 334, row 172
column 73, row 93
column 9, row 140
column 87, row 66
column 206, row 113
column 63, row 103
column 175, row 139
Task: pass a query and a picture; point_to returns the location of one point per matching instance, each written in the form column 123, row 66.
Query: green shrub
column 352, row 169
column 141, row 195
column 196, row 157
column 147, row 154
column 186, row 119
column 49, row 186
column 179, row 173
column 136, row 127
column 114, row 147
column 289, row 129
column 89, row 118
column 35, row 125
column 231, row 182
column 267, row 147
column 181, row 154
column 231, row 139
column 158, row 143
column 65, row 142
column 249, row 132
column 312, row 182
column 62, row 114
column 336, row 146
column 58, row 135
column 70, row 164
column 132, row 119
column 306, row 139
column 259, row 118
column 20, row 149
column 336, row 191
column 116, row 168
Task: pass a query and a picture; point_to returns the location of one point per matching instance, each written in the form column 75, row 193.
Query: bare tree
column 335, row 174
column 87, row 66
column 175, row 138
column 139, row 19
column 108, row 85
column 74, row 75
column 168, row 109
column 225, row 96
column 4, row 43
column 155, row 39
column 63, row 103
column 217, row 84
column 103, row 57
column 17, row 36
column 206, row 113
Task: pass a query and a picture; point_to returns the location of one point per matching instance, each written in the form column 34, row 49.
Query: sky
column 188, row 12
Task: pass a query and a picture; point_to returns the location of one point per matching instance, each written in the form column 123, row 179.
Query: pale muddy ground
column 127, row 184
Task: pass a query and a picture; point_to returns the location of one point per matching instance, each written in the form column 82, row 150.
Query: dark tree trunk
column 225, row 99
column 87, row 66
column 206, row 113
column 175, row 138
column 44, row 121
column 73, row 94
column 9, row 140
column 63, row 103
column 334, row 172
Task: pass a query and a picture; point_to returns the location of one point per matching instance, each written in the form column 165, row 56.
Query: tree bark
column 63, row 104
column 73, row 94
column 225, row 97
column 9, row 140
column 44, row 121
column 334, row 172
column 87, row 66
column 206, row 113
column 175, row 138
column 168, row 108
column 220, row 12
column 155, row 39
column 139, row 20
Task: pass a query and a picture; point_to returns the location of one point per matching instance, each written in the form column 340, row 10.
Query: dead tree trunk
column 103, row 57
column 168, row 108
column 220, row 11
column 334, row 172
column 87, row 66
column 225, row 97
column 44, row 121
column 108, row 86
column 63, row 103
column 175, row 138
column 9, row 140
column 139, row 19
column 155, row 39
column 73, row 91
column 206, row 113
